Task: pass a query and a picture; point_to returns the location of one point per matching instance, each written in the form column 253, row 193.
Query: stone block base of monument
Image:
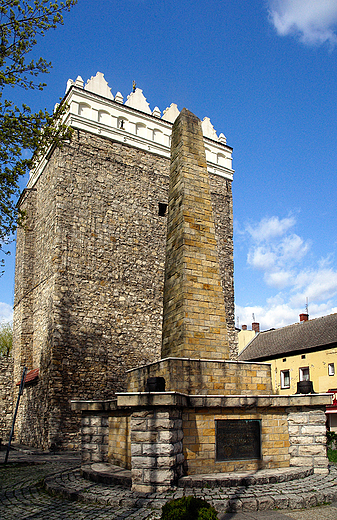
column 163, row 436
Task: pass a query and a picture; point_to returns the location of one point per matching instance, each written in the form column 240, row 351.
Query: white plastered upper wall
column 95, row 109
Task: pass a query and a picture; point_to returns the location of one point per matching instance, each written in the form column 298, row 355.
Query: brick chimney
column 304, row 317
column 256, row 326
column 244, row 327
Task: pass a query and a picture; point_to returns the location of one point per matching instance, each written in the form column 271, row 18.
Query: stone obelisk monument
column 194, row 322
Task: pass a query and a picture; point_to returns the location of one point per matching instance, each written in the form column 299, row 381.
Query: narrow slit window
column 331, row 369
column 162, row 208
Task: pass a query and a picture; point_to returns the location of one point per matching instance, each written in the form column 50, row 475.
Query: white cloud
column 314, row 21
column 276, row 252
column 6, row 312
column 270, row 227
column 282, row 257
column 318, row 285
column 279, row 279
column 261, row 258
column 293, row 247
column 270, row 316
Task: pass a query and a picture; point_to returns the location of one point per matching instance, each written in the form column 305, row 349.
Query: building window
column 331, row 369
column 303, row 356
column 304, row 374
column 285, row 379
column 162, row 207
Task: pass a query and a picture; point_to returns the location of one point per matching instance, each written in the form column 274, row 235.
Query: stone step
column 247, row 478
column 107, row 474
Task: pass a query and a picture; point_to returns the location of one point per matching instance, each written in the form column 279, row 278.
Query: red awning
column 31, row 376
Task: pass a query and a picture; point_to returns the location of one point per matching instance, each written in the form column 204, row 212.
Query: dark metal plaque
column 238, row 439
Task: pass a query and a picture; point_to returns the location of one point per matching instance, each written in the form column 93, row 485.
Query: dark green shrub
column 331, row 437
column 188, row 508
column 332, row 455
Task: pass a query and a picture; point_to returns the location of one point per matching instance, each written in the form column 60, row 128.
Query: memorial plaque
column 238, row 439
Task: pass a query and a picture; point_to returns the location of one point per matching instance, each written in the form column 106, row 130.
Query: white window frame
column 285, row 374
column 331, row 369
column 303, row 372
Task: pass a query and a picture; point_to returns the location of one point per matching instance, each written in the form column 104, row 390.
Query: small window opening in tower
column 162, row 207
column 121, row 124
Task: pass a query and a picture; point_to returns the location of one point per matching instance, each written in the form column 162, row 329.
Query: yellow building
column 304, row 351
column 245, row 336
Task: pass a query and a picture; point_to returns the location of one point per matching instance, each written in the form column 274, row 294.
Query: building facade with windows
column 304, row 351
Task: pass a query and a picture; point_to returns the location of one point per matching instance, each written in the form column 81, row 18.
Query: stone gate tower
column 90, row 259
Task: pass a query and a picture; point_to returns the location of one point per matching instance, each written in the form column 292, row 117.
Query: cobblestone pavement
column 23, row 495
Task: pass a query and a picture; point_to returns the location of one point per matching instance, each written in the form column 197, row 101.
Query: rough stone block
column 293, row 450
column 138, row 437
column 316, row 429
column 139, row 424
column 160, row 424
column 144, row 462
column 249, row 504
column 160, row 476
column 95, row 421
column 321, row 461
column 142, row 413
column 136, row 475
column 295, row 501
column 89, row 430
column 136, row 450
column 168, row 436
column 301, row 461
column 311, row 450
column 298, row 418
column 96, row 456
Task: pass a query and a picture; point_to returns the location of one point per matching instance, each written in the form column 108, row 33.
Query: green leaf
column 22, row 22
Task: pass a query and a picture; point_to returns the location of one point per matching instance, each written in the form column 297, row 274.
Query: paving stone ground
column 37, row 486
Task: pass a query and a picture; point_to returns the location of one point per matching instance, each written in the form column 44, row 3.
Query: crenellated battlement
column 93, row 108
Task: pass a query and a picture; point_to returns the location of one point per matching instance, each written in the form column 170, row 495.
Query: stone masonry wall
column 194, row 315
column 120, row 440
column 156, row 448
column 95, row 438
column 7, row 397
column 307, row 436
column 192, row 376
column 200, row 444
column 89, row 278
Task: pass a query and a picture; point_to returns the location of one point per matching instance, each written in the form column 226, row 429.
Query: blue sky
column 265, row 73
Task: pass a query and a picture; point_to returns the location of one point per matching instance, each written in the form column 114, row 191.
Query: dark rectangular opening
column 238, row 439
column 162, row 207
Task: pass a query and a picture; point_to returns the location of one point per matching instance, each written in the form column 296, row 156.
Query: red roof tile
column 31, row 376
